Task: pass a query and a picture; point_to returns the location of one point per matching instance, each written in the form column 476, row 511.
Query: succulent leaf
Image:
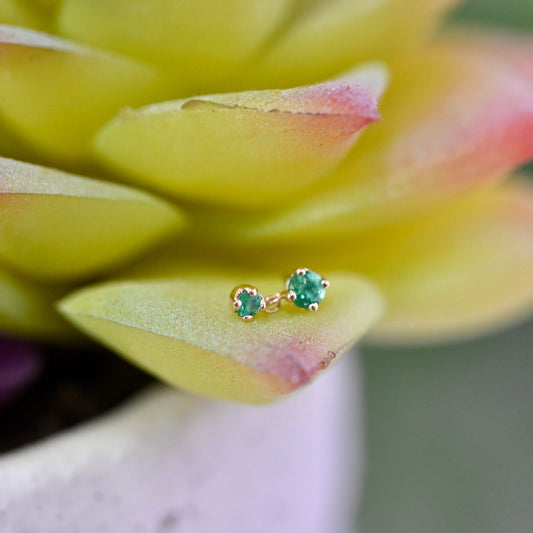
column 464, row 273
column 240, row 149
column 328, row 37
column 54, row 94
column 198, row 44
column 57, row 226
column 437, row 142
column 184, row 331
column 27, row 310
column 20, row 13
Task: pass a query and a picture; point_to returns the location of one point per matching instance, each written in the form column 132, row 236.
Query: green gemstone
column 308, row 289
column 251, row 305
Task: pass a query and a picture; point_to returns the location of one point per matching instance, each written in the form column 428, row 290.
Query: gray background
column 450, row 429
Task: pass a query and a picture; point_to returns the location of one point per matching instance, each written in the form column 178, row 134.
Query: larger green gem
column 308, row 288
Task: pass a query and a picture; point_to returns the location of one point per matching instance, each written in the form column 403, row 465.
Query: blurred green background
column 450, row 429
column 514, row 13
column 450, row 438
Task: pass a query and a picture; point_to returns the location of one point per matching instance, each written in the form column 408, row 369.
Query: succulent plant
column 157, row 154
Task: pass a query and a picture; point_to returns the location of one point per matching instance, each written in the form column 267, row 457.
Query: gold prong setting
column 307, row 288
column 247, row 301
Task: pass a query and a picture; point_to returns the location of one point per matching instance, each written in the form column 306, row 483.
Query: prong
column 237, row 304
column 263, row 305
column 247, row 318
column 252, row 291
column 238, row 290
column 313, row 307
column 301, row 271
column 325, row 283
column 291, row 296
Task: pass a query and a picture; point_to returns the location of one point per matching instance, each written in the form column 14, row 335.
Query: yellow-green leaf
column 466, row 272
column 198, row 43
column 46, row 6
column 54, row 94
column 58, row 226
column 436, row 142
column 327, row 37
column 26, row 309
column 242, row 149
column 184, row 331
column 20, row 13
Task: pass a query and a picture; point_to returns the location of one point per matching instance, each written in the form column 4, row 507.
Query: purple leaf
column 20, row 365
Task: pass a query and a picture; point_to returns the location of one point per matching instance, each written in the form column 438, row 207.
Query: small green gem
column 308, row 289
column 251, row 305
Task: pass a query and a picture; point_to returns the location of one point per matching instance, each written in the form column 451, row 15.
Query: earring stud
column 304, row 288
column 247, row 301
column 307, row 288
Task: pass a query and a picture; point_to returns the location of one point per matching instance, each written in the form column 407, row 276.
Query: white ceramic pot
column 170, row 462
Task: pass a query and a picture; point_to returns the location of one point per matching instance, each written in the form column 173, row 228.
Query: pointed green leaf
column 467, row 272
column 26, row 309
column 240, row 149
column 199, row 43
column 327, row 37
column 186, row 333
column 55, row 94
column 435, row 143
column 58, row 226
column 21, row 13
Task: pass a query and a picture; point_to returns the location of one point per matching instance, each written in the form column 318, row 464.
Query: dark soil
column 75, row 385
